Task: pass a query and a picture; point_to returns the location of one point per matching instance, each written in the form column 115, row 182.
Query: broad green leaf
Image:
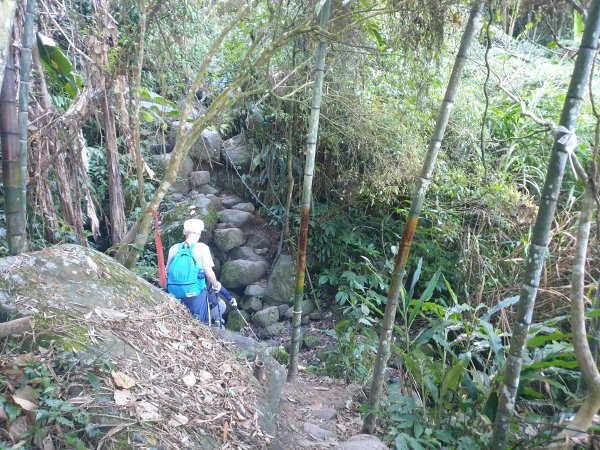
column 424, row 297
column 453, row 376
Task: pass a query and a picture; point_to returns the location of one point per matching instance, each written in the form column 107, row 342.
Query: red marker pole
column 159, row 251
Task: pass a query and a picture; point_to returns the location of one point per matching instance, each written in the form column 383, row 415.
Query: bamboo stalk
column 309, row 169
column 7, row 12
column 385, row 336
column 541, row 232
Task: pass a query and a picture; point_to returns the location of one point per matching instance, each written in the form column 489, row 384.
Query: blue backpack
column 182, row 280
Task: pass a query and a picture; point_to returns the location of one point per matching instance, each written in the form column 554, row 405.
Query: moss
column 281, row 356
column 61, row 328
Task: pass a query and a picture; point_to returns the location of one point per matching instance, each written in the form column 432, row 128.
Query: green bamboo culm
column 563, row 145
column 25, row 72
column 309, row 169
column 11, row 165
column 7, row 13
column 385, row 336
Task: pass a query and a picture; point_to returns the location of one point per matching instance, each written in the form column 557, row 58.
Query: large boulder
column 228, row 238
column 241, row 273
column 206, row 148
column 245, row 252
column 362, row 442
column 230, row 200
column 281, row 285
column 252, row 304
column 235, row 320
column 237, row 152
column 256, row 290
column 266, row 317
column 248, row 207
column 199, row 178
column 234, row 217
column 182, row 183
column 198, row 208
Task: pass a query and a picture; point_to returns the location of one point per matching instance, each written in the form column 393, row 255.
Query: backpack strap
column 182, row 245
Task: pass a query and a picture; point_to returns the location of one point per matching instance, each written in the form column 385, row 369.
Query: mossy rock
column 172, row 221
column 235, row 320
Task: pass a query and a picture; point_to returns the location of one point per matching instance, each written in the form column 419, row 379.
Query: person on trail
column 189, row 267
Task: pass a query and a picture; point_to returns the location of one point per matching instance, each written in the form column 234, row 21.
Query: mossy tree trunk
column 564, row 144
column 385, row 336
column 309, row 170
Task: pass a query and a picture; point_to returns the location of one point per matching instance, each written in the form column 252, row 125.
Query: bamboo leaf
column 426, row 296
column 453, row 376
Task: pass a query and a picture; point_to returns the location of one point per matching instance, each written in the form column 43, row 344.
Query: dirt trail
column 317, row 413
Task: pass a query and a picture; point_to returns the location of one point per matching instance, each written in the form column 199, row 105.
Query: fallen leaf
column 122, row 380
column 26, row 358
column 18, row 428
column 226, row 368
column 189, row 379
column 205, row 375
column 123, row 397
column 24, row 403
column 225, row 432
column 207, row 345
column 28, row 393
column 177, row 420
column 147, row 411
column 110, row 314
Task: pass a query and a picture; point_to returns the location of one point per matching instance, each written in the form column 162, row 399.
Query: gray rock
column 311, row 342
column 202, row 202
column 177, row 197
column 172, row 221
column 318, row 432
column 362, row 442
column 228, row 238
column 241, row 273
column 274, row 330
column 259, row 240
column 261, row 251
column 237, row 153
column 315, row 315
column 207, row 190
column 207, row 147
column 325, row 414
column 308, row 306
column 230, row 200
column 245, row 252
column 182, row 183
column 252, row 304
column 281, row 285
column 256, row 290
column 283, row 309
column 235, row 320
column 248, row 207
column 215, row 201
column 305, row 320
column 194, row 193
column 266, row 317
column 200, row 178
column 234, row 217
column 289, row 313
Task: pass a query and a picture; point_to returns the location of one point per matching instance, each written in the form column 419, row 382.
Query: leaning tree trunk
column 14, row 200
column 564, row 144
column 385, row 336
column 7, row 12
column 309, row 170
column 137, row 73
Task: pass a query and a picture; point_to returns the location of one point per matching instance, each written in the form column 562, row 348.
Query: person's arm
column 212, row 278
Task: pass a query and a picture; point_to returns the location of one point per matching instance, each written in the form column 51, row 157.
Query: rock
column 237, row 153
column 228, row 238
column 245, row 252
column 283, row 309
column 289, row 313
column 177, row 197
column 325, row 414
column 234, row 217
column 318, row 432
column 362, row 442
column 308, row 306
column 194, row 193
column 260, row 240
column 252, row 304
column 230, row 200
column 274, row 330
column 281, row 285
column 315, row 315
column 248, row 207
column 311, row 342
column 304, row 320
column 215, row 201
column 241, row 273
column 207, row 189
column 207, row 147
column 172, row 221
column 256, row 290
column 261, row 251
column 202, row 202
column 182, row 183
column 199, row 178
column 266, row 317
column 235, row 320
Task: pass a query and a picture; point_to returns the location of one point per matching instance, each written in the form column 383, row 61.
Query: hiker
column 189, row 268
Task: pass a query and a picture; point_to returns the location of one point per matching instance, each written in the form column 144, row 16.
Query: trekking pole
column 246, row 322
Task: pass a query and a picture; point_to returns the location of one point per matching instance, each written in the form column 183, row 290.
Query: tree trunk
column 14, row 200
column 139, row 160
column 118, row 225
column 385, row 336
column 7, row 12
column 309, row 170
column 563, row 145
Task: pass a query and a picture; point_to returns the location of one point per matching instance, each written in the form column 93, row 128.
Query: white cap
column 193, row 226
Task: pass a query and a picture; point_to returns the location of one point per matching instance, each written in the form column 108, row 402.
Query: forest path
column 317, row 413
